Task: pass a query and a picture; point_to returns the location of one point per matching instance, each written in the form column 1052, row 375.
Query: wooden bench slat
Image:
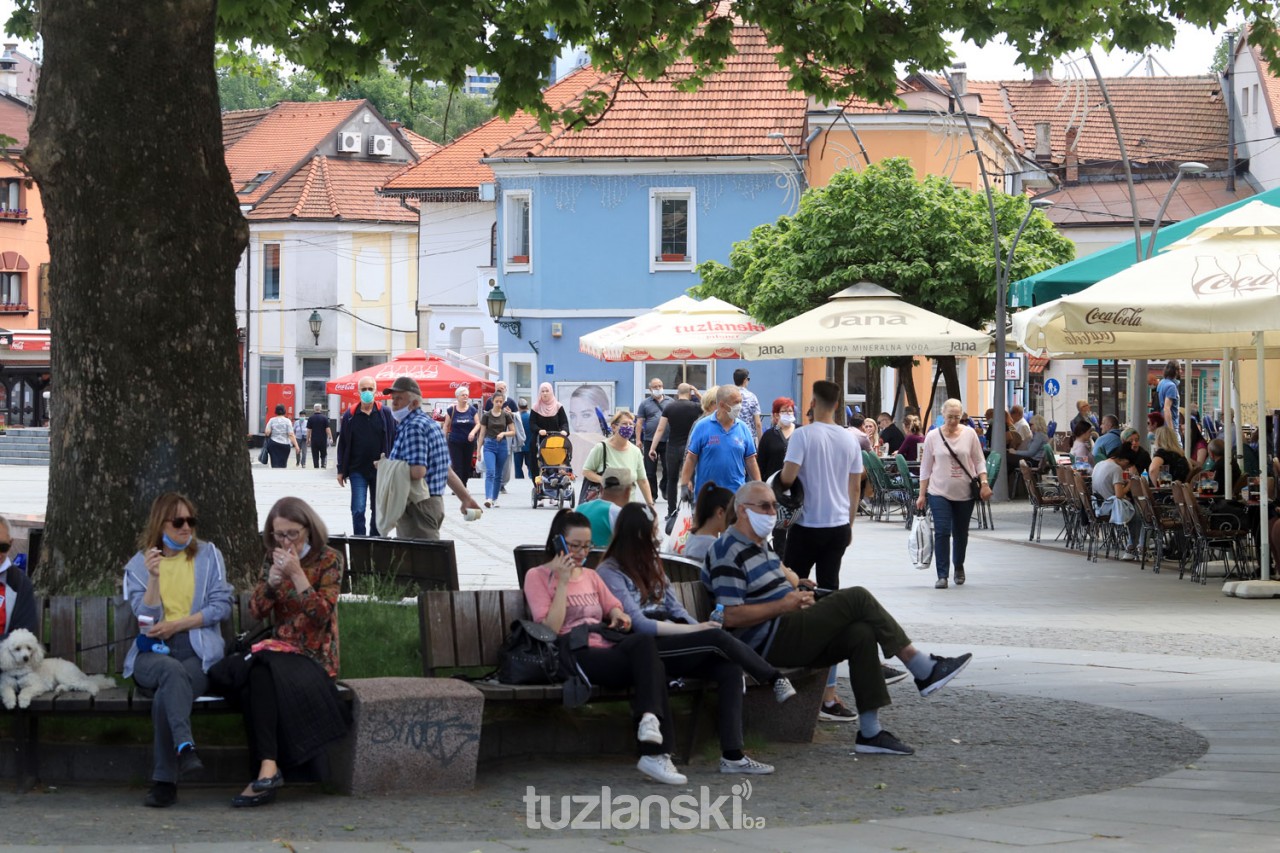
column 94, row 637
column 112, row 699
column 124, row 628
column 466, row 630
column 62, row 625
column 72, row 702
column 491, row 629
column 438, row 625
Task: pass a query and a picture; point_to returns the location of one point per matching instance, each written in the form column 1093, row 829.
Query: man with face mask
column 770, row 609
column 366, row 434
column 420, row 444
column 648, row 416
column 721, row 447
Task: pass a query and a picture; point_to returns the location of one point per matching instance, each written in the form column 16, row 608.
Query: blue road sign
column 1051, row 387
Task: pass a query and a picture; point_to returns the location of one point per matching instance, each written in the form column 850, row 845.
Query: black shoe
column 891, row 675
column 944, row 669
column 266, row 798
column 271, row 784
column 836, row 712
column 882, row 744
column 959, row 576
column 188, row 760
column 162, row 795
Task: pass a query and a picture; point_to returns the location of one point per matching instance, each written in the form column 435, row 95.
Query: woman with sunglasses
column 563, row 594
column 177, row 587
column 632, row 570
column 287, row 686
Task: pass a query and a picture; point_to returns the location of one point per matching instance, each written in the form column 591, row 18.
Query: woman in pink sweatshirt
column 563, row 594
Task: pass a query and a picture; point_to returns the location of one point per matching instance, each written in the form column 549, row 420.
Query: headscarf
column 549, row 409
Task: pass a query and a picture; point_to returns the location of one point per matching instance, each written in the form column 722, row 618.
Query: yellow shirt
column 177, row 586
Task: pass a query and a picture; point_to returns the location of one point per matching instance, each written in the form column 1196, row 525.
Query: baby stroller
column 554, row 480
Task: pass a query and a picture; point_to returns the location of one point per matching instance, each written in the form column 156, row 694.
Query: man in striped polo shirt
column 771, row 609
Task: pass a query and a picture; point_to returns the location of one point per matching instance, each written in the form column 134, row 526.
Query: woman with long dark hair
column 710, row 519
column 632, row 570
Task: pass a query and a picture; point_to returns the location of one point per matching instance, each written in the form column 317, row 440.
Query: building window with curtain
column 517, row 236
column 671, row 229
column 270, row 271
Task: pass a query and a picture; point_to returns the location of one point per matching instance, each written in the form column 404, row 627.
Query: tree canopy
column 927, row 240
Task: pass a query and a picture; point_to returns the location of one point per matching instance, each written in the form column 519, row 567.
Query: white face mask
column 657, row 393
column 400, row 414
column 735, row 410
column 306, row 549
column 787, row 419
column 761, row 523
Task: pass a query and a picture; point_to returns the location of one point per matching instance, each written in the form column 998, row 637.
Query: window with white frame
column 1244, row 100
column 517, row 232
column 671, row 228
column 270, row 271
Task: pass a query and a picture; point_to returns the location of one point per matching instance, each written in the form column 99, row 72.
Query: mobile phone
column 562, row 547
column 819, row 592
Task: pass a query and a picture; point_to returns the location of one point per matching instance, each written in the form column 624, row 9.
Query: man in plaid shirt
column 421, row 445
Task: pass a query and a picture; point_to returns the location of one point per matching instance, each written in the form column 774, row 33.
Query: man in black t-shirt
column 890, row 433
column 673, row 428
column 367, row 434
column 319, row 436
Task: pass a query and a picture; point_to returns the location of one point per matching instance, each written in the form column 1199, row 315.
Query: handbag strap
column 947, row 445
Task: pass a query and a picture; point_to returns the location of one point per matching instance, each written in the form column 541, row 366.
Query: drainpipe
column 1231, row 111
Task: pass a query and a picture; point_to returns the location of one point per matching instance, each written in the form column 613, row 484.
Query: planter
column 519, row 259
column 673, row 259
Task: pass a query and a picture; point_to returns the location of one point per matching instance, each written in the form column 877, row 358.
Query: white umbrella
column 866, row 321
column 678, row 330
column 1218, row 289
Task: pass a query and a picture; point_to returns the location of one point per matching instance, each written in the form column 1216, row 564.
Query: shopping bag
column 678, row 532
column 920, row 541
column 263, row 456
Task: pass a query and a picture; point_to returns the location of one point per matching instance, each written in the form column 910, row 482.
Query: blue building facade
column 583, row 245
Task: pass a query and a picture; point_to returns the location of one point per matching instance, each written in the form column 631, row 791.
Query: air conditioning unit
column 348, row 142
column 380, row 146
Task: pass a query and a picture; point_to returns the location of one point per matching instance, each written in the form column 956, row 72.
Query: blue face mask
column 366, row 397
column 174, row 546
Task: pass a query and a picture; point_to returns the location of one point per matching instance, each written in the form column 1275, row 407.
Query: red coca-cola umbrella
column 436, row 377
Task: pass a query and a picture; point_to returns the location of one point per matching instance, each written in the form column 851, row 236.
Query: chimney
column 9, row 69
column 1044, row 149
column 1042, row 76
column 1069, row 161
column 960, row 79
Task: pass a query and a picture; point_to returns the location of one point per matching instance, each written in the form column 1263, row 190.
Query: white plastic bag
column 673, row 542
column 920, row 541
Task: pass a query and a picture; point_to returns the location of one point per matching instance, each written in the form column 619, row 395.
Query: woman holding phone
column 563, row 594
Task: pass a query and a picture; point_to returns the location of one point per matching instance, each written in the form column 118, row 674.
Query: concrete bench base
column 793, row 721
column 411, row 735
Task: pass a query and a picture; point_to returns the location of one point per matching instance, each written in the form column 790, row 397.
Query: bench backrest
column 678, row 569
column 420, row 564
column 466, row 629
column 95, row 632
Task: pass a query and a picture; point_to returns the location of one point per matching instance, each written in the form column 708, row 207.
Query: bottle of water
column 717, row 615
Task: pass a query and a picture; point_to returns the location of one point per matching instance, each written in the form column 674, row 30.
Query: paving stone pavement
column 1107, row 709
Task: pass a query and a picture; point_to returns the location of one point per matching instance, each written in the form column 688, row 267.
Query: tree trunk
column 145, row 235
column 875, row 391
column 950, row 376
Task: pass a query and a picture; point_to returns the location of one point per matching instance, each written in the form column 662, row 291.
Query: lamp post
column 497, row 302
column 996, row 432
column 1138, row 397
column 795, row 158
column 315, row 321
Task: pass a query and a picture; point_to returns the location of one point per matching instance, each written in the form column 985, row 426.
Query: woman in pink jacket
column 950, row 460
column 563, row 594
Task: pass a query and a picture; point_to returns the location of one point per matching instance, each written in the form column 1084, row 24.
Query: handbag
column 243, row 642
column 591, row 491
column 530, row 655
column 975, row 483
column 263, row 457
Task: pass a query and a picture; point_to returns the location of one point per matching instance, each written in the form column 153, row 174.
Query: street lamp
column 497, row 306
column 1184, row 169
column 315, row 321
column 795, row 158
column 996, row 432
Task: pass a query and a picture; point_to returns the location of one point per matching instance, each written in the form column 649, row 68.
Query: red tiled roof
column 280, row 140
column 1163, row 119
column 15, row 117
column 236, row 123
column 457, row 165
column 1107, row 202
column 421, row 146
column 732, row 114
column 327, row 189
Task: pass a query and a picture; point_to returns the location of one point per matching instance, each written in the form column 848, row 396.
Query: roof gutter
column 715, row 158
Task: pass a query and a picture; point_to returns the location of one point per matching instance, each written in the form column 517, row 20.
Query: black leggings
column 823, row 547
column 264, row 716
column 633, row 662
column 721, row 657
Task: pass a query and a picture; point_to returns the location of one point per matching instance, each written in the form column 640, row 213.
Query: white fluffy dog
column 26, row 673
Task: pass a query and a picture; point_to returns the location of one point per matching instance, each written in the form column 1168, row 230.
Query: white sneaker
column 650, row 730
column 1128, row 556
column 782, row 690
column 746, row 764
column 660, row 769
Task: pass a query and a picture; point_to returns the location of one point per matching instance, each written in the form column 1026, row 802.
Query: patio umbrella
column 681, row 329
column 1216, row 290
column 436, row 377
column 866, row 321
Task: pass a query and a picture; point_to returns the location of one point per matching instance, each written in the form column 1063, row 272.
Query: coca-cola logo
column 1215, row 276
column 1084, row 338
column 864, row 319
column 1130, row 317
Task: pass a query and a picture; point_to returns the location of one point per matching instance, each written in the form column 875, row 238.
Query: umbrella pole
column 1186, row 407
column 1264, row 558
column 1229, row 437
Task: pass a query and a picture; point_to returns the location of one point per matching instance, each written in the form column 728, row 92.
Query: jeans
column 175, row 680
column 950, row 532
column 495, row 459
column 362, row 489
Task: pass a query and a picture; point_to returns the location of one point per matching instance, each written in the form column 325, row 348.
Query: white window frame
column 262, row 288
column 509, row 225
column 640, row 379
column 656, row 197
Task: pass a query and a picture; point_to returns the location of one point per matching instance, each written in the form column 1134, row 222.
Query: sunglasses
column 184, row 521
column 4, row 547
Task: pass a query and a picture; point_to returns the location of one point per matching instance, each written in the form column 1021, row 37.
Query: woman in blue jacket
column 632, row 569
column 178, row 590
